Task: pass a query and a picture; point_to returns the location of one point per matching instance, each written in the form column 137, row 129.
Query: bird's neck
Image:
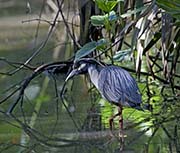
column 93, row 71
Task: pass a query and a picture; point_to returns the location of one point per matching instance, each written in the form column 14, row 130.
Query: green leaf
column 110, row 5
column 171, row 7
column 89, row 48
column 97, row 20
column 177, row 23
column 121, row 55
column 101, row 44
column 106, row 5
column 101, row 4
column 85, row 50
column 100, row 20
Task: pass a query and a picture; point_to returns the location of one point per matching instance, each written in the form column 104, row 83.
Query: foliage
column 89, row 48
column 171, row 7
column 106, row 5
column 142, row 37
column 154, row 36
column 148, row 33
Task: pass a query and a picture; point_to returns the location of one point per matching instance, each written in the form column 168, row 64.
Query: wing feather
column 117, row 85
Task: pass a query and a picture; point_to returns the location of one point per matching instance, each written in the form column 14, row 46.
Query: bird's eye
column 75, row 66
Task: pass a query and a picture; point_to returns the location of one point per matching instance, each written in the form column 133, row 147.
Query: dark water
column 46, row 125
column 78, row 123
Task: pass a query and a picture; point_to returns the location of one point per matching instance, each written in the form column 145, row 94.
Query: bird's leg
column 121, row 134
column 111, row 121
column 120, row 120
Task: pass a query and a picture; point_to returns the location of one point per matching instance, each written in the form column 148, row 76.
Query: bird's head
column 81, row 67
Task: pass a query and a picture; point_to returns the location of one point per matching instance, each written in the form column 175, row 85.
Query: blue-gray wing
column 118, row 86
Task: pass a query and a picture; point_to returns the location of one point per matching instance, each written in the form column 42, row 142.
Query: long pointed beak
column 71, row 74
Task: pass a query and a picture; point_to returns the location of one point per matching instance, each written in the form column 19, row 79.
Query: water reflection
column 39, row 126
column 78, row 122
column 83, row 127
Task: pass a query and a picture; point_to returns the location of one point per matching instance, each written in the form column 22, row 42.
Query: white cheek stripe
column 81, row 66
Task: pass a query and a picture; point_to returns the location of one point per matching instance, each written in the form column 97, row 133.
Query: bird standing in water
column 115, row 85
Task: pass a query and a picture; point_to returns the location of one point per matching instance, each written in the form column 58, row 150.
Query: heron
column 114, row 83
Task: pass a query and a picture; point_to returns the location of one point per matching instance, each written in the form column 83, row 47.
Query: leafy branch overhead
column 147, row 31
column 90, row 47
